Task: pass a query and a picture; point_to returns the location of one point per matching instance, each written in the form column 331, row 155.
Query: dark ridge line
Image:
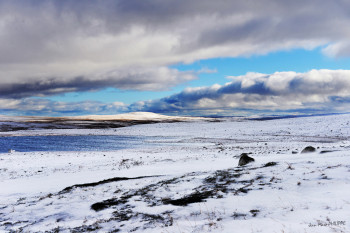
column 93, row 184
column 77, row 124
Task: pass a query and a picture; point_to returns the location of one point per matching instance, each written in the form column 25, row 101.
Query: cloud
column 130, row 78
column 87, row 45
column 280, row 91
column 315, row 91
column 45, row 107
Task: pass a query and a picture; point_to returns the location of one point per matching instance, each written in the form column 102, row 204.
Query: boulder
column 308, row 149
column 270, row 164
column 245, row 159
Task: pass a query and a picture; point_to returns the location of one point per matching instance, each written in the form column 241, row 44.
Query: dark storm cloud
column 151, row 79
column 49, row 47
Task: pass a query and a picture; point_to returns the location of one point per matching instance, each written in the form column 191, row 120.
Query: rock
column 308, row 149
column 326, row 151
column 245, row 159
column 270, row 164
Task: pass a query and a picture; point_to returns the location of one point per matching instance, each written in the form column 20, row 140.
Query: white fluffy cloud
column 69, row 45
column 315, row 90
column 35, row 106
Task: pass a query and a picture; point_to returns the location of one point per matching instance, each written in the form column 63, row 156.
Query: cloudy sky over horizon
column 193, row 57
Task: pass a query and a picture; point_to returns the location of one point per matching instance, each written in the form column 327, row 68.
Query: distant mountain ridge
column 133, row 116
column 15, row 123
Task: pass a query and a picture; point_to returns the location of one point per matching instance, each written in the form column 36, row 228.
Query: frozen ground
column 191, row 183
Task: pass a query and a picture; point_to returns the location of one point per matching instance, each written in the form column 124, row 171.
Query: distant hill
column 15, row 123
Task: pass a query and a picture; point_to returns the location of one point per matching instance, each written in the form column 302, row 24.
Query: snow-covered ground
column 191, row 182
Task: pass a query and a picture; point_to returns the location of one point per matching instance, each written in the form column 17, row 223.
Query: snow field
column 191, row 183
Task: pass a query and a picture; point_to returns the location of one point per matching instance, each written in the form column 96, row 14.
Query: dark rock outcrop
column 308, row 149
column 326, row 151
column 270, row 164
column 245, row 159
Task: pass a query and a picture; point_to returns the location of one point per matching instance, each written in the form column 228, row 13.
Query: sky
column 193, row 57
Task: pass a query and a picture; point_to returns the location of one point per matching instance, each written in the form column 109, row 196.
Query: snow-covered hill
column 21, row 123
column 137, row 116
column 133, row 116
